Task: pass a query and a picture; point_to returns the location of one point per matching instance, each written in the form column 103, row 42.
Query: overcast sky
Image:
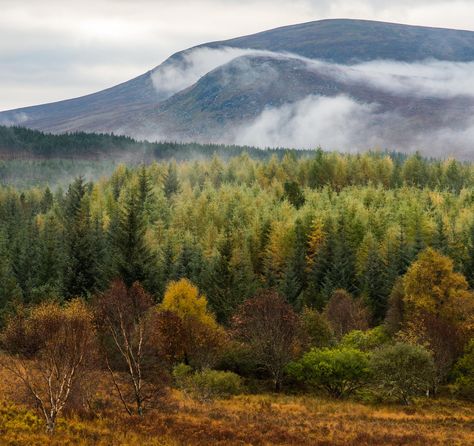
column 57, row 49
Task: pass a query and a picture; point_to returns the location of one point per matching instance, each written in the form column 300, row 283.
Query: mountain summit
column 342, row 84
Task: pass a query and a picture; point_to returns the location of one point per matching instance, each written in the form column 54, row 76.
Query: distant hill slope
column 231, row 91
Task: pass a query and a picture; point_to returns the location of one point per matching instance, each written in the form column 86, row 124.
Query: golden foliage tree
column 432, row 285
column 439, row 308
column 186, row 329
column 183, row 299
column 316, row 240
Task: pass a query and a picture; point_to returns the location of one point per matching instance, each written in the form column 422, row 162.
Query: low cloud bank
column 177, row 74
column 342, row 124
column 309, row 123
column 432, row 78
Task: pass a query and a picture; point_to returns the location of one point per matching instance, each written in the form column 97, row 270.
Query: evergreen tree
column 440, row 240
column 374, row 284
column 47, row 201
column 24, row 258
column 171, row 182
column 469, row 263
column 145, row 193
column 133, row 258
column 294, row 277
column 399, row 256
column 9, row 288
column 81, row 265
column 341, row 269
column 220, row 296
column 320, row 255
column 51, row 255
column 294, row 194
column 189, row 264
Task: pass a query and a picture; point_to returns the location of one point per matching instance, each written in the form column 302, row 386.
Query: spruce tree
column 374, row 284
column 469, row 263
column 133, row 258
column 294, row 278
column 171, row 182
column 220, row 297
column 10, row 291
column 81, row 265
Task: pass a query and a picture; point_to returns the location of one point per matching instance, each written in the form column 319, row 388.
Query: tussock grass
column 246, row 420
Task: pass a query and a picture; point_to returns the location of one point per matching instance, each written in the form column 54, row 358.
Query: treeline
column 350, row 261
column 21, row 143
column 30, row 157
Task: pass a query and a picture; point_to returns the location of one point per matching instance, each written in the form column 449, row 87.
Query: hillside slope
column 219, row 91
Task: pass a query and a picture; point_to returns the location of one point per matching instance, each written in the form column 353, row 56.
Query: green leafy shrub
column 238, row 358
column 463, row 374
column 316, row 329
column 339, row 371
column 402, row 371
column 207, row 384
column 366, row 340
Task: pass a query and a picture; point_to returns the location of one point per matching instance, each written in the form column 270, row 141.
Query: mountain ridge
column 184, row 98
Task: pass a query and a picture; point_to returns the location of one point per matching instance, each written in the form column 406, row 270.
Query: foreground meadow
column 265, row 419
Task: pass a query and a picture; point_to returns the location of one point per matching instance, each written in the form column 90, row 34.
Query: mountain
column 344, row 84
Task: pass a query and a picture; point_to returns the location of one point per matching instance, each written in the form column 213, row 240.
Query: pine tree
column 419, row 242
column 469, row 263
column 399, row 255
column 294, row 194
column 189, row 263
column 374, row 284
column 9, row 288
column 24, row 258
column 220, row 298
column 145, row 193
column 341, row 269
column 171, row 183
column 51, row 254
column 46, row 201
column 81, row 265
column 133, row 258
column 244, row 282
column 294, row 277
column 440, row 240
column 182, row 268
column 166, row 267
column 315, row 244
column 320, row 255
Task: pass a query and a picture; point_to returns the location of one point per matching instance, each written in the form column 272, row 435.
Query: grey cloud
column 428, row 78
column 180, row 74
column 342, row 124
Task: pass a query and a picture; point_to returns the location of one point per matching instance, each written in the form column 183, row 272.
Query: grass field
column 252, row 420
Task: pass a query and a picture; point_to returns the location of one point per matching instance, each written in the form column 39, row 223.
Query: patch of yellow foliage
column 184, row 300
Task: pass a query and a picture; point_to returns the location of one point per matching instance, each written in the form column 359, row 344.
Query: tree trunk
column 277, row 384
column 50, row 426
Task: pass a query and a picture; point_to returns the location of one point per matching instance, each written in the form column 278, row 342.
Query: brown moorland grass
column 244, row 420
